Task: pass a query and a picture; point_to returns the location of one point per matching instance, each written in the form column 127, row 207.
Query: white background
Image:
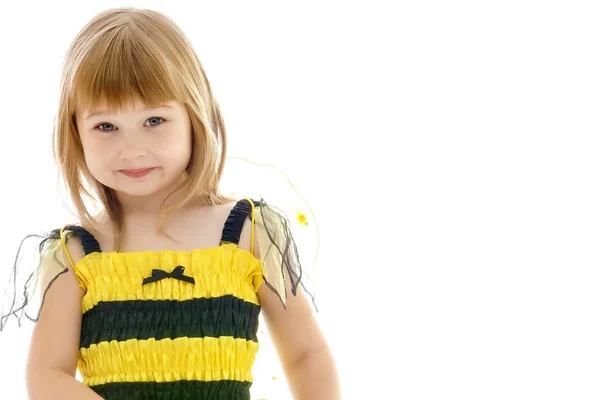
column 449, row 150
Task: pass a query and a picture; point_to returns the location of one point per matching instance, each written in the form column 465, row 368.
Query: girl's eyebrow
column 144, row 109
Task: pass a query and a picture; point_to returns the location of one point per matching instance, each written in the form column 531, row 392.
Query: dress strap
column 235, row 222
column 88, row 241
column 63, row 242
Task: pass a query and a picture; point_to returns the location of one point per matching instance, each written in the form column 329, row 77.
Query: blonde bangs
column 126, row 55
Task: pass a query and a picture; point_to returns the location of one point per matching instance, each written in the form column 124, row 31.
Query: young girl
column 158, row 295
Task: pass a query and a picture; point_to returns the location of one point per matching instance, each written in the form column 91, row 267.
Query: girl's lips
column 136, row 173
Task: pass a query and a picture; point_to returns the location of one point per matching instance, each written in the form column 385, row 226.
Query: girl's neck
column 139, row 207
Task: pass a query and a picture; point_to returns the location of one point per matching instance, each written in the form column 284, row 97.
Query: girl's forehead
column 138, row 105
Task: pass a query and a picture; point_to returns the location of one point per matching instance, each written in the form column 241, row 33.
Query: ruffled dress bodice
column 191, row 337
column 170, row 324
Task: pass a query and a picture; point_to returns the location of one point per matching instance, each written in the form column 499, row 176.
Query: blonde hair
column 128, row 54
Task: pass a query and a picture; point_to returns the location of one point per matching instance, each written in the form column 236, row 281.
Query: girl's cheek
column 97, row 144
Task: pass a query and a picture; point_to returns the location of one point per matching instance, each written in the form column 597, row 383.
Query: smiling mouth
column 136, row 173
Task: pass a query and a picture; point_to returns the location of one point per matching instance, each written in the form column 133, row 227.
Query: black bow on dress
column 177, row 273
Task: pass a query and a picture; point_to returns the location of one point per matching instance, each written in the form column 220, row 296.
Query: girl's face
column 140, row 151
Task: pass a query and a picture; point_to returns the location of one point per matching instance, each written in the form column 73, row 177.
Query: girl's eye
column 103, row 130
column 155, row 118
column 112, row 130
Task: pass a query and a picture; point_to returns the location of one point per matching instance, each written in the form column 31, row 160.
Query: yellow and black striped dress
column 170, row 324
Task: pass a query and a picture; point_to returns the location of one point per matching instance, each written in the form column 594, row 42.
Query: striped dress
column 170, row 324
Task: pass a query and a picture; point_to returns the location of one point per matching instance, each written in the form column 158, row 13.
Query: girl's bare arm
column 52, row 361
